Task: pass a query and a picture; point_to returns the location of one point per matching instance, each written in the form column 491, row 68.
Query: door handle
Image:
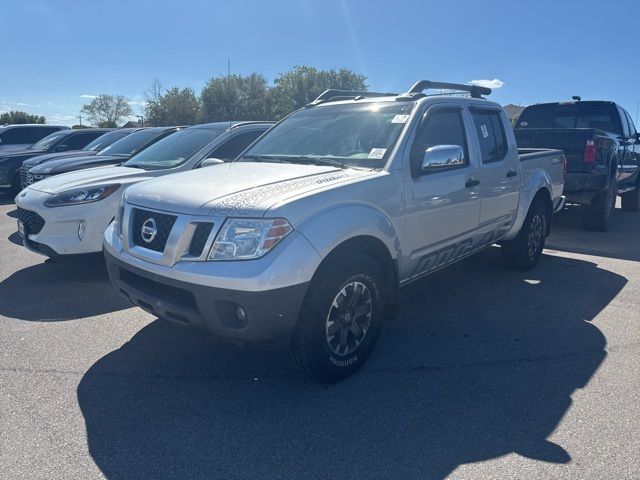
column 511, row 173
column 471, row 182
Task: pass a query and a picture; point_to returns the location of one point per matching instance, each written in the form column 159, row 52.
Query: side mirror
column 61, row 148
column 442, row 157
column 211, row 161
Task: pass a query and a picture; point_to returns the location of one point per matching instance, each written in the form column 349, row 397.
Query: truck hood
column 38, row 159
column 90, row 177
column 63, row 165
column 236, row 189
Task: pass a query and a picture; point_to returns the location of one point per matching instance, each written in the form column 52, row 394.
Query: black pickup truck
column 602, row 149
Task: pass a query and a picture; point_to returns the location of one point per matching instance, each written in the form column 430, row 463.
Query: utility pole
column 141, row 120
column 80, row 118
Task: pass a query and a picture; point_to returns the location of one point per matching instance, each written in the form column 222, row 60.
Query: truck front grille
column 200, row 237
column 24, row 176
column 33, row 222
column 158, row 227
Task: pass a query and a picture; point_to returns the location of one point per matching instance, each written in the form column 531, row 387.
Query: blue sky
column 56, row 53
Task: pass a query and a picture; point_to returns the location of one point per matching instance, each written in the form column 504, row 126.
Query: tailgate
column 571, row 141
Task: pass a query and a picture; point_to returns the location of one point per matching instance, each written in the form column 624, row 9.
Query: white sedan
column 68, row 214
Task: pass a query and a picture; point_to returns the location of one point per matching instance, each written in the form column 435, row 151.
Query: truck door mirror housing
column 62, row 148
column 211, row 161
column 442, row 157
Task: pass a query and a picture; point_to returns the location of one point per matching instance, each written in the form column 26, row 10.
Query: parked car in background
column 602, row 148
column 100, row 143
column 60, row 141
column 118, row 152
column 68, row 214
column 19, row 137
column 312, row 231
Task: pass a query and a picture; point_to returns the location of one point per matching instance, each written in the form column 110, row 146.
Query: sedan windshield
column 47, row 142
column 105, row 140
column 347, row 135
column 174, row 150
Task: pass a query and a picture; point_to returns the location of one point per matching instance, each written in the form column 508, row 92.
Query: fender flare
column 537, row 181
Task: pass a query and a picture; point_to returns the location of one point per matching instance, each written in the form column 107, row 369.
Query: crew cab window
column 491, row 135
column 632, row 127
column 600, row 115
column 444, row 127
column 235, row 145
column 625, row 124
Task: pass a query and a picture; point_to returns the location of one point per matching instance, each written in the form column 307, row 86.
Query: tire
column 598, row 215
column 523, row 252
column 631, row 200
column 325, row 343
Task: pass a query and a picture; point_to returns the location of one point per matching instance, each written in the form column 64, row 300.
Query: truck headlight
column 81, row 195
column 248, row 238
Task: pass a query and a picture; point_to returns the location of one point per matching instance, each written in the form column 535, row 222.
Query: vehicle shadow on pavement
column 56, row 291
column 481, row 362
column 620, row 241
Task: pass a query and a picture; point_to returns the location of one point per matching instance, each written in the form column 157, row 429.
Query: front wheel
column 340, row 318
column 525, row 250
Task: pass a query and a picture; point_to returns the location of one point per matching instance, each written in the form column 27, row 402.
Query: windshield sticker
column 485, row 132
column 400, row 119
column 377, row 153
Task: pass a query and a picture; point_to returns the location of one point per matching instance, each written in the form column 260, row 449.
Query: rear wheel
column 598, row 215
column 340, row 319
column 525, row 250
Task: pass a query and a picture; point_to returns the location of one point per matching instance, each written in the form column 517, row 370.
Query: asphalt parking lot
column 487, row 373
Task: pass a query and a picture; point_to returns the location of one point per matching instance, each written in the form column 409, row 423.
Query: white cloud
column 86, row 95
column 493, row 84
column 61, row 119
column 137, row 102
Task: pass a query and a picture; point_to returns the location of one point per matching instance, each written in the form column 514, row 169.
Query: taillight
column 590, row 152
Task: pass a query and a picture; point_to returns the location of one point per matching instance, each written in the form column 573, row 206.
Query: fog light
column 81, row 228
column 241, row 315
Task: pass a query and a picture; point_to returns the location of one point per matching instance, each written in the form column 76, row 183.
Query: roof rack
column 333, row 95
column 418, row 88
column 250, row 122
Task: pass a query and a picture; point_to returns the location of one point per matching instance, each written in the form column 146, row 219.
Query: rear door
column 442, row 208
column 499, row 173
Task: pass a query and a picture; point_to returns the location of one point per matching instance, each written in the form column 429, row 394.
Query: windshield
column 48, row 141
column 174, row 150
column 601, row 115
column 105, row 140
column 131, row 144
column 354, row 134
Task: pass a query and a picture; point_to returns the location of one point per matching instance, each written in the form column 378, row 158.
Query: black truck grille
column 32, row 222
column 199, row 239
column 158, row 225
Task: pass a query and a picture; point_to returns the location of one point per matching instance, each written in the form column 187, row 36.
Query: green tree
column 18, row 117
column 296, row 88
column 107, row 110
column 236, row 97
column 174, row 107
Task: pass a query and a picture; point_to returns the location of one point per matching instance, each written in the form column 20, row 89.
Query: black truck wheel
column 524, row 251
column 340, row 318
column 598, row 215
column 631, row 200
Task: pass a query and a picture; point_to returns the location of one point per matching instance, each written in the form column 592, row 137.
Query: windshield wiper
column 309, row 160
column 266, row 158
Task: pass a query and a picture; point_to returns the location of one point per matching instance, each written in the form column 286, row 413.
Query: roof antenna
column 576, row 98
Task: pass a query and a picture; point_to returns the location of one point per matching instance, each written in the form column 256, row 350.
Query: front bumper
column 59, row 235
column 268, row 314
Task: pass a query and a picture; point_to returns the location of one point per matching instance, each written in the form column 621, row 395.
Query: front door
column 442, row 207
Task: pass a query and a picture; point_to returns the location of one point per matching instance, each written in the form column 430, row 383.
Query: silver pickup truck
column 313, row 229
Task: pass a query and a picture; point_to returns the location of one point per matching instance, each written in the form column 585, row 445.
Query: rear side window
column 235, row 145
column 26, row 135
column 444, row 127
column 625, row 124
column 491, row 135
column 632, row 127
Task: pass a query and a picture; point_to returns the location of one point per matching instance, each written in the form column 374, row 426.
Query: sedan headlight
column 81, row 195
column 247, row 238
